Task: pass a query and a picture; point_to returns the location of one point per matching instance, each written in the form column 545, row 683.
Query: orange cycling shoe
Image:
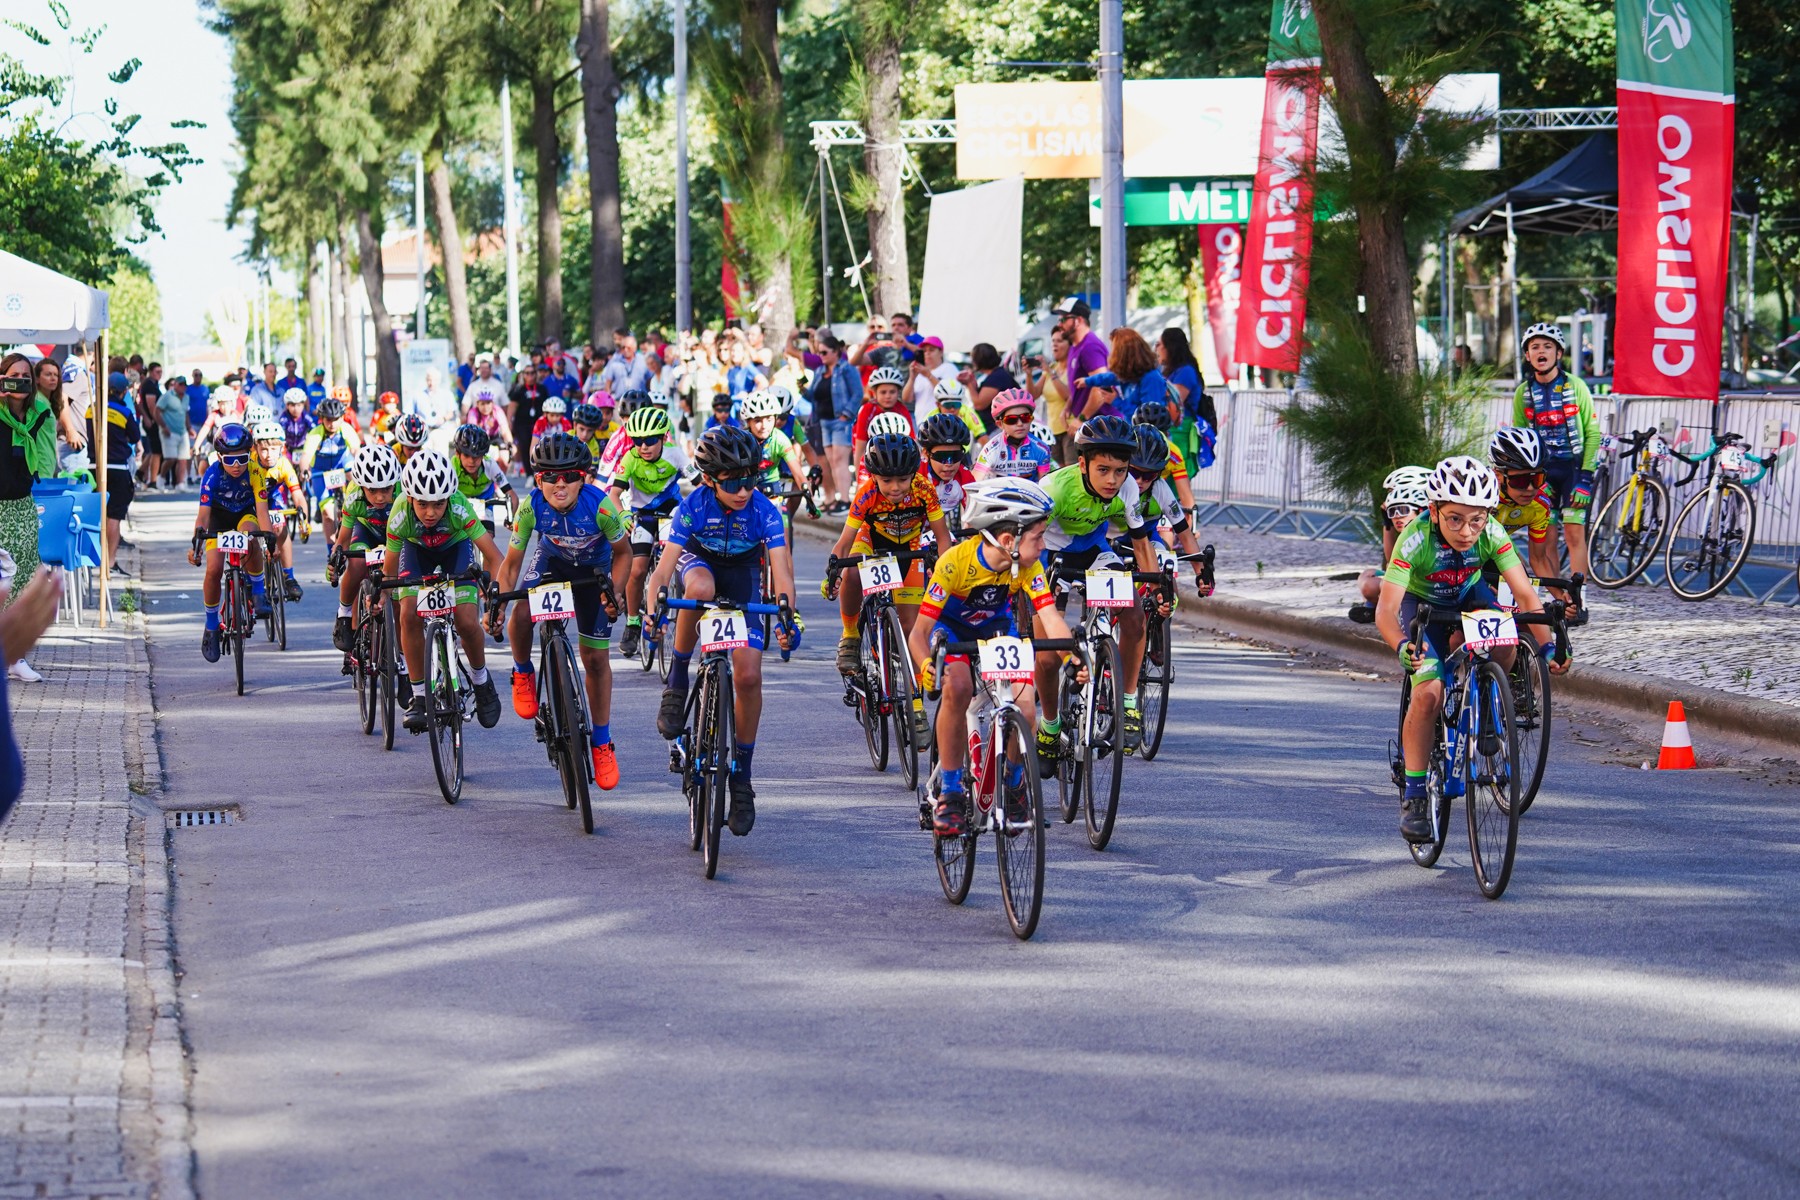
column 525, row 694
column 606, row 767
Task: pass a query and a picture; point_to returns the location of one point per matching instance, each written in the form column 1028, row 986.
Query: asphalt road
column 1253, row 992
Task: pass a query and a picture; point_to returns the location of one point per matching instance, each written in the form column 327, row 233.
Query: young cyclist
column 952, row 397
column 647, row 484
column 885, row 386
column 1438, row 561
column 1157, row 505
column 944, row 438
column 1404, row 498
column 1516, row 457
column 296, row 421
column 1090, row 498
column 889, row 513
column 431, row 528
column 760, row 412
column 591, row 425
column 387, row 411
column 1012, row 451
column 788, row 425
column 970, row 597
column 329, row 446
column 366, row 513
column 721, row 414
column 487, row 415
column 228, row 501
column 553, row 420
column 1156, row 416
column 273, row 477
column 1561, row 409
column 718, row 540
column 479, row 477
column 407, row 436
column 579, row 531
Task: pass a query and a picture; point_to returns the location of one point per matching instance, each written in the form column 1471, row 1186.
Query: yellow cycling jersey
column 266, row 481
column 1177, row 468
column 1533, row 517
column 965, row 590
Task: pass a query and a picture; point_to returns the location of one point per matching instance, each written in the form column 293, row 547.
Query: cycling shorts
column 912, row 585
column 738, row 583
column 417, row 561
column 592, row 625
column 364, row 536
column 1439, row 639
column 219, row 520
column 646, row 530
column 1560, row 475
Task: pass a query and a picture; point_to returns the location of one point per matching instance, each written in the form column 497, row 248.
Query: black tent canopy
column 1578, row 193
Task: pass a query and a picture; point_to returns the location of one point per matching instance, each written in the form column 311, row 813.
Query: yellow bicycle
column 1627, row 533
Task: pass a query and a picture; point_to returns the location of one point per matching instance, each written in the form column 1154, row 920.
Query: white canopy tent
column 44, row 307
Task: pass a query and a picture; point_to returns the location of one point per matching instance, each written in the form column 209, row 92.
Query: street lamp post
column 684, row 283
column 419, row 238
column 510, row 219
column 1112, row 163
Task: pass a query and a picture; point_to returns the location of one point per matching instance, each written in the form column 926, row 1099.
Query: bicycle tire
column 1722, row 558
column 1530, row 679
column 269, row 625
column 368, row 685
column 720, row 751
column 237, row 634
column 1493, row 807
column 1437, row 804
column 1076, row 759
column 1154, row 681
column 446, row 714
column 955, row 857
column 278, row 608
column 897, row 665
column 1617, row 554
column 387, row 664
column 1020, row 852
column 1106, row 726
column 868, row 706
column 565, row 731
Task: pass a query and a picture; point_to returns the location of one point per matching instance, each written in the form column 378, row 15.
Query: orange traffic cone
column 1677, row 747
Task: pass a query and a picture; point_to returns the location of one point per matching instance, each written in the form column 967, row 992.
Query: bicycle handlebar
column 782, row 610
column 835, row 563
column 942, row 648
column 472, row 575
column 1555, row 616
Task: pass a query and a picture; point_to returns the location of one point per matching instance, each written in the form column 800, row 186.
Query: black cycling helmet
column 1155, row 415
column 561, row 451
column 1152, row 453
column 472, row 439
column 590, row 415
column 727, row 452
column 721, row 400
column 1106, row 434
column 632, row 399
column 232, row 439
column 944, row 429
column 892, row 454
column 330, row 409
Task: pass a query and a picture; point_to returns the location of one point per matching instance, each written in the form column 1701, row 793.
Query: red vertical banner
column 728, row 277
column 1222, row 260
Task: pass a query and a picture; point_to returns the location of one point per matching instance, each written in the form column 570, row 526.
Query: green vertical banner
column 1272, row 299
column 1677, row 113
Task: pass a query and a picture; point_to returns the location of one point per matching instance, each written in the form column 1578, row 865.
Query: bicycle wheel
column 955, row 857
column 1490, row 769
column 1437, row 803
column 368, row 685
column 1627, row 532
column 278, row 609
column 868, row 708
column 387, row 663
column 1076, row 761
column 1155, row 674
column 571, row 757
column 1106, row 743
column 718, row 749
column 446, row 712
column 1019, row 848
column 1530, row 680
column 1710, row 542
column 897, row 666
column 242, row 623
column 271, row 591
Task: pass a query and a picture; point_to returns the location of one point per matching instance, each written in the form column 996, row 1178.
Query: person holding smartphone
column 27, row 454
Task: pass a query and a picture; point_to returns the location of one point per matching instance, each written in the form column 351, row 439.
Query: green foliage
column 136, row 310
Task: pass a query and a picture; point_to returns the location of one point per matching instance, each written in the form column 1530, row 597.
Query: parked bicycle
column 449, row 688
column 1629, row 525
column 882, row 691
column 1712, row 535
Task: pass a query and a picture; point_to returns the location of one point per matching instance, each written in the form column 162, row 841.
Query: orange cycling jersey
column 894, row 524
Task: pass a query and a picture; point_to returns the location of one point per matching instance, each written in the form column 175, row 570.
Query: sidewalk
column 92, row 1077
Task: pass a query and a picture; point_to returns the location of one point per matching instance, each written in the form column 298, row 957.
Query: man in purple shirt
column 1087, row 354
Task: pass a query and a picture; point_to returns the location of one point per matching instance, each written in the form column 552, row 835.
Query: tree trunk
column 600, row 117
column 883, row 154
column 1368, row 120
column 450, row 249
column 549, row 211
column 767, row 167
column 387, row 354
column 346, row 368
column 315, row 314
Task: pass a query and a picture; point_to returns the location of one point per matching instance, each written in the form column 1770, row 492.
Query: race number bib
column 1486, row 628
column 1006, row 658
column 233, row 541
column 278, row 518
column 1731, row 458
column 1109, row 589
column 552, row 602
column 334, row 479
column 374, row 556
column 438, row 600
column 879, row 574
column 724, row 629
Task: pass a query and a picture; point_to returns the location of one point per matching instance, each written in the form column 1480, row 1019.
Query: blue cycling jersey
column 701, row 525
column 333, row 452
column 583, row 535
column 219, row 489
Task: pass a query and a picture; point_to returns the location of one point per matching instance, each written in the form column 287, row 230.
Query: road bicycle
column 653, row 653
column 702, row 755
column 1629, row 525
column 1712, row 535
column 1156, row 673
column 1092, row 740
column 563, row 724
column 1531, row 689
column 449, row 689
column 1475, row 745
column 998, row 734
column 374, row 652
column 273, row 580
column 881, row 691
column 237, row 600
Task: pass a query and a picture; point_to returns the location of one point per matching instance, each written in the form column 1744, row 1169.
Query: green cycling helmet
column 648, row 423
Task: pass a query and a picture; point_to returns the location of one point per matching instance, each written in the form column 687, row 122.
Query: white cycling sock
column 343, row 610
column 478, row 675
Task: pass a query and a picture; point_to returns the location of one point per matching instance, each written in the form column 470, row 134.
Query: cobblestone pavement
column 1725, row 643
column 92, row 1101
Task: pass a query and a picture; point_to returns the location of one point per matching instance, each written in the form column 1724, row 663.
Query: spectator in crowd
column 30, row 607
column 316, row 391
column 758, row 355
column 1087, row 354
column 1131, row 378
column 925, row 372
column 986, row 378
column 483, row 385
column 198, row 394
column 149, row 393
column 465, row 372
column 1187, row 396
column 525, row 404
column 71, row 394
column 741, row 376
column 627, row 370
column 263, row 391
column 433, row 402
column 122, row 437
column 173, row 411
column 1047, row 379
column 837, row 397
column 134, row 371
column 27, row 454
column 290, row 378
column 905, row 332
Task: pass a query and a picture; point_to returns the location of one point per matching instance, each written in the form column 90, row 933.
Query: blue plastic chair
column 53, row 527
column 81, row 534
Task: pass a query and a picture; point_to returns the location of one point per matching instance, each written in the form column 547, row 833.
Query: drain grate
column 194, row 818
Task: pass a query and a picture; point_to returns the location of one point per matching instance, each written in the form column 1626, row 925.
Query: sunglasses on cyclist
column 950, row 405
column 735, row 484
column 947, row 457
column 234, row 460
column 1520, row 483
column 648, row 441
column 1402, row 512
column 561, row 476
column 1020, row 419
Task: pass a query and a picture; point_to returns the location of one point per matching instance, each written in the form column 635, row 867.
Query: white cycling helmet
column 1402, row 476
column 1515, row 449
column 376, row 466
column 950, row 389
column 889, row 422
column 266, row 431
column 428, row 476
column 1410, row 495
column 294, row 396
column 1463, row 480
column 759, row 404
column 784, row 399
column 554, row 407
column 1544, row 329
column 1004, row 501
column 893, row 375
column 1042, row 433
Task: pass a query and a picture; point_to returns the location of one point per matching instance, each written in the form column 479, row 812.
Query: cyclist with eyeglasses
column 273, row 477
column 1156, row 416
column 721, row 539
column 579, row 531
column 1438, row 560
column 1013, row 451
column 1157, row 505
column 647, row 484
column 229, row 500
column 885, row 385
